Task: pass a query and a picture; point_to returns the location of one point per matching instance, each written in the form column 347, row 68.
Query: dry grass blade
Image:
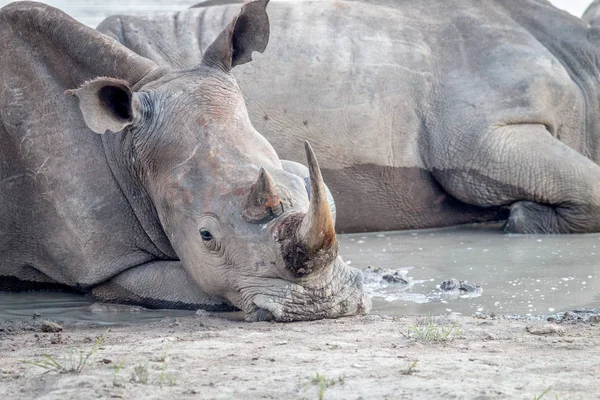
column 69, row 365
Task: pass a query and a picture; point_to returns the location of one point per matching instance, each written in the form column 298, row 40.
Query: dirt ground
column 370, row 357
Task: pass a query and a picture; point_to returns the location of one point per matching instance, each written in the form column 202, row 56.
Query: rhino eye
column 206, row 235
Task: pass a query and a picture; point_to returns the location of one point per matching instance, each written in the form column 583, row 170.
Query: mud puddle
column 406, row 272
column 61, row 306
column 503, row 274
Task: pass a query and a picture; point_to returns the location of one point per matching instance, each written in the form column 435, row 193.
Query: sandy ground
column 367, row 357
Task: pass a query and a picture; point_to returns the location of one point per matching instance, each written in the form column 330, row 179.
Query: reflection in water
column 75, row 307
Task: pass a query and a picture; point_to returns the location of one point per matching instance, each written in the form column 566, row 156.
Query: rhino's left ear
column 106, row 104
column 248, row 32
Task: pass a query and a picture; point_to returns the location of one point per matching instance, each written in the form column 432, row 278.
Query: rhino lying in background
column 592, row 13
column 187, row 206
column 427, row 113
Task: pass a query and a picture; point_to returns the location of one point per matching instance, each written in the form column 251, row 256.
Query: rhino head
column 245, row 228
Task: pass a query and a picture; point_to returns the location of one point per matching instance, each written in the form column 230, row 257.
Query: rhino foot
column 259, row 315
column 527, row 217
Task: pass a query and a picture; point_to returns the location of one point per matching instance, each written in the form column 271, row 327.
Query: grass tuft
column 164, row 377
column 410, row 369
column 116, row 370
column 322, row 383
column 74, row 363
column 140, row 374
column 430, row 331
column 545, row 392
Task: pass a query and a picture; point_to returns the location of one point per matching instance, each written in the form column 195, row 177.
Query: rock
column 376, row 274
column 49, row 326
column 456, row 285
column 570, row 316
column 394, row 278
column 116, row 308
column 581, row 315
column 376, row 270
column 202, row 313
column 56, row 339
column 548, row 329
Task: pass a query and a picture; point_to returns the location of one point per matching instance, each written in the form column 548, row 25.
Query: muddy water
column 516, row 274
column 75, row 307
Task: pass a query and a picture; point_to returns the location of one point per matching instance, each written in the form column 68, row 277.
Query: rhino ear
column 248, row 32
column 106, row 104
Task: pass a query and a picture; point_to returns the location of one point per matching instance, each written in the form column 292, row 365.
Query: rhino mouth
column 338, row 292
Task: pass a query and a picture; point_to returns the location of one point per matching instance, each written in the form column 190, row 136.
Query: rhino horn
column 263, row 201
column 317, row 230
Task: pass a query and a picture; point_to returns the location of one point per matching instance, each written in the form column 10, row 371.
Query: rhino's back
column 379, row 85
column 353, row 79
column 390, row 91
column 592, row 13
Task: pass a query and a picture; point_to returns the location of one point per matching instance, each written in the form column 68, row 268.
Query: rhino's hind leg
column 550, row 187
column 159, row 284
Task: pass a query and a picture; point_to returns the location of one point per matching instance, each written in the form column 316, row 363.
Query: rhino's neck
column 121, row 156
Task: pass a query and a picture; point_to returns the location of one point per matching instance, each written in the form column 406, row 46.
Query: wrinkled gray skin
column 425, row 113
column 181, row 203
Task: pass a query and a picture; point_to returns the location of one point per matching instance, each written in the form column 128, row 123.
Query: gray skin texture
column 113, row 170
column 592, row 13
column 425, row 113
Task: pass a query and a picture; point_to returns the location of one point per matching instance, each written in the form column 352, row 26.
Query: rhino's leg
column 550, row 187
column 159, row 284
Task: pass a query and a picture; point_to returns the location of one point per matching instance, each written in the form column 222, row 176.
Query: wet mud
column 498, row 273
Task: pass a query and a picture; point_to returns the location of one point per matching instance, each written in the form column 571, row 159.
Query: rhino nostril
column 275, row 212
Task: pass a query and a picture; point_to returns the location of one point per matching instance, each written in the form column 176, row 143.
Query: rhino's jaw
column 337, row 293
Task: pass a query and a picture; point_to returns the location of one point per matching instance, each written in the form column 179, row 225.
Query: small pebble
column 547, row 329
column 49, row 326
